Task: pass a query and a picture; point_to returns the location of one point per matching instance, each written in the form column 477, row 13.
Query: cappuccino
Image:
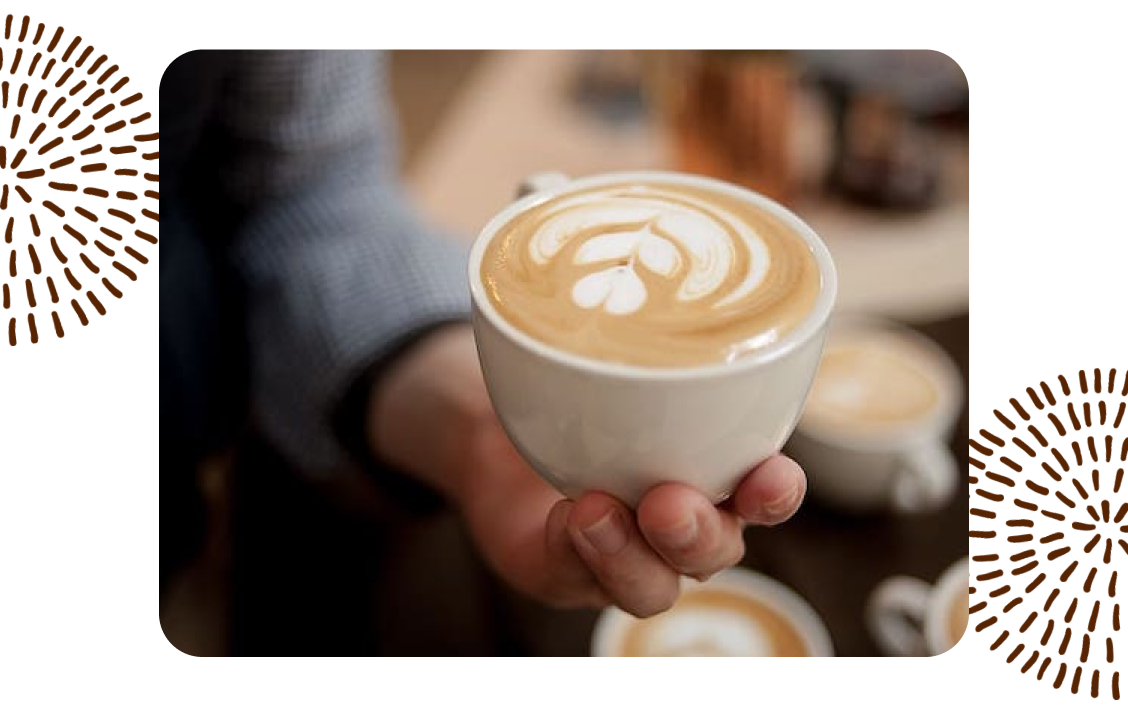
column 736, row 613
column 602, row 384
column 709, row 622
column 651, row 274
column 871, row 381
column 875, row 430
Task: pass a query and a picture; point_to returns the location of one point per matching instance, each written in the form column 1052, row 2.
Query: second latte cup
column 585, row 424
column 904, row 469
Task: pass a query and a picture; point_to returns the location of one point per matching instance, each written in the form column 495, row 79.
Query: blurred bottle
column 608, row 83
column 729, row 115
column 887, row 106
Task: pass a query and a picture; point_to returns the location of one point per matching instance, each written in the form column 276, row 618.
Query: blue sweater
column 288, row 248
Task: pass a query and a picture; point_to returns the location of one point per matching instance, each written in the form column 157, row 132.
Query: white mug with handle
column 906, row 470
column 909, row 617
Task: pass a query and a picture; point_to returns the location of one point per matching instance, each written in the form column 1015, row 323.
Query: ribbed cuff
column 350, row 425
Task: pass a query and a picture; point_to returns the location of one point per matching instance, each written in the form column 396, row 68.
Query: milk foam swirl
column 709, row 631
column 683, row 238
column 873, row 379
column 715, row 622
column 651, row 274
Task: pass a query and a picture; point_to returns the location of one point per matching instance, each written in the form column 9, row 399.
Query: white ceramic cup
column 586, row 425
column 906, row 470
column 613, row 622
column 909, row 617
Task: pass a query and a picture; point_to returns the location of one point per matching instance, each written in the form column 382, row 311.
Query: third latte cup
column 585, row 424
column 737, row 612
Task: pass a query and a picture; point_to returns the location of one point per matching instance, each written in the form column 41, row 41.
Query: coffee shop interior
column 868, row 148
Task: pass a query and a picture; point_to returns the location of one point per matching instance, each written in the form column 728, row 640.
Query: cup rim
column 809, row 327
column 933, row 424
column 935, row 624
column 788, row 603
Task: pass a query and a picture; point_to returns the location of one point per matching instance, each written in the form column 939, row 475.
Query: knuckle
column 658, row 602
column 708, row 555
column 728, row 555
column 737, row 553
column 647, row 604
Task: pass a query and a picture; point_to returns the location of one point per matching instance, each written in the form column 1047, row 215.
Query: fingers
column 569, row 582
column 691, row 534
column 631, row 573
column 771, row 493
column 599, row 555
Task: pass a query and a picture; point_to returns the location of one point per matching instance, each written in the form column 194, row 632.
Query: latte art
column 870, row 381
column 709, row 632
column 651, row 274
column 687, row 240
column 714, row 622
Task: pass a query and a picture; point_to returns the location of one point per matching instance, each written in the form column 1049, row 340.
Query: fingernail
column 783, row 505
column 681, row 536
column 609, row 535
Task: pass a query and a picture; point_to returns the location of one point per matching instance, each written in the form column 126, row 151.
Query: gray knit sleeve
column 338, row 269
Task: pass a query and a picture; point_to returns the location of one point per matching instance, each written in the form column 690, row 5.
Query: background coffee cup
column 907, row 469
column 587, row 425
column 909, row 617
column 613, row 623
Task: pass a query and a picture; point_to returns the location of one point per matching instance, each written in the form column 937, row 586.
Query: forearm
column 339, row 271
column 428, row 409
column 430, row 416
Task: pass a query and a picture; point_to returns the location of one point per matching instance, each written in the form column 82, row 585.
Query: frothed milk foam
column 714, row 622
column 651, row 274
column 872, row 380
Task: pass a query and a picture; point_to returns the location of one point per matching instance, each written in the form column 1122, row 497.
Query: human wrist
column 426, row 408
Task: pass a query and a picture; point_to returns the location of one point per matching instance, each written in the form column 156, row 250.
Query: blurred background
column 870, row 148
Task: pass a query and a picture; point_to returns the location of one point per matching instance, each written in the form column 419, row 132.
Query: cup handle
column 926, row 479
column 896, row 614
column 540, row 181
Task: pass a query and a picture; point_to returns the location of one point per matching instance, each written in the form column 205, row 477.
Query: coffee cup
column 909, row 617
column 735, row 613
column 875, row 430
column 592, row 422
